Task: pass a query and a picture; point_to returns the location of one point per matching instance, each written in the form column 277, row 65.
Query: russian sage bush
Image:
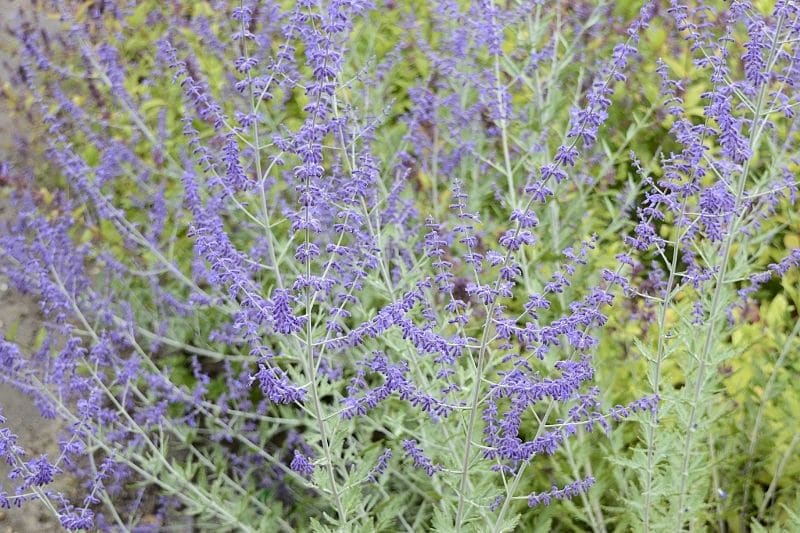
column 343, row 265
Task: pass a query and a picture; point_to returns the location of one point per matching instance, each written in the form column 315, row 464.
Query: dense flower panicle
column 567, row 491
column 395, row 381
column 41, row 472
column 276, row 386
column 236, row 178
column 380, row 466
column 9, row 450
column 281, row 313
column 301, row 464
column 76, row 520
column 419, row 458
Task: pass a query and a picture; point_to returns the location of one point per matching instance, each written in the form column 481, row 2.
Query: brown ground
column 36, row 434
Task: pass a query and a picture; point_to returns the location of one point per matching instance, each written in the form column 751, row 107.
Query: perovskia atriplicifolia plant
column 340, row 265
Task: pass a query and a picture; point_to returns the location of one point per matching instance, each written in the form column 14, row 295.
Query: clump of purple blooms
column 280, row 286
